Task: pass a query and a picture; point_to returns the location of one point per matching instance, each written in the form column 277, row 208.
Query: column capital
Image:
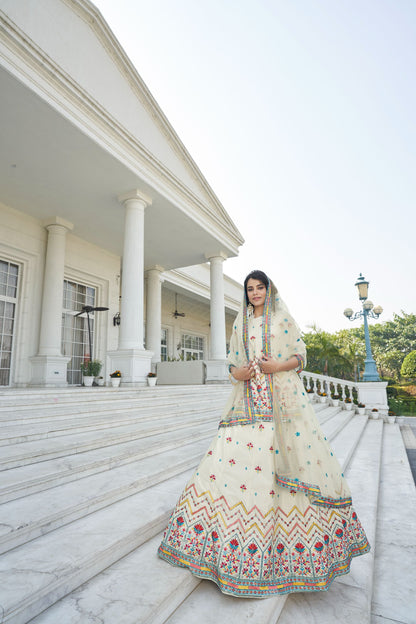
column 57, row 221
column 155, row 270
column 137, row 195
column 220, row 254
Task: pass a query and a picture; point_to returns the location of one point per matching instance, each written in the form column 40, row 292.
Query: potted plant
column 89, row 370
column 151, row 379
column 361, row 409
column 99, row 381
column 115, row 378
column 391, row 417
column 322, row 397
column 374, row 413
column 335, row 400
column 348, row 403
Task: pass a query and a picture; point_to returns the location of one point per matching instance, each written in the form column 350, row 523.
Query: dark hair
column 257, row 275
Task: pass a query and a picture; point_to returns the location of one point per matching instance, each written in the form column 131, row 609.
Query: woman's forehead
column 254, row 282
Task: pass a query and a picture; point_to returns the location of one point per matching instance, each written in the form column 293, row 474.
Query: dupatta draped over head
column 303, row 457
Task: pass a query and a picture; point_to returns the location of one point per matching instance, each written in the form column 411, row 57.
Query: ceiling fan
column 176, row 313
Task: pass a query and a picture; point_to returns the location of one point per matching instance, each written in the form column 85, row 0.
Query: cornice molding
column 65, row 94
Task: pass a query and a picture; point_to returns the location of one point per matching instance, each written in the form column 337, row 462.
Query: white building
column 101, row 205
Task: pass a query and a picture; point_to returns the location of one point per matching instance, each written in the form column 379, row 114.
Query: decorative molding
column 55, row 85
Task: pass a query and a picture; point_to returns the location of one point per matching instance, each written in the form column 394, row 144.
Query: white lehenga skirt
column 237, row 526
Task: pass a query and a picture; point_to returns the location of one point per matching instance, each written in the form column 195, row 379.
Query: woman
column 268, row 510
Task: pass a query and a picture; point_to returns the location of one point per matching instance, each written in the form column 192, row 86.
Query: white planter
column 348, row 406
column 151, row 381
column 335, row 402
column 87, row 380
column 361, row 411
column 322, row 399
column 99, row 382
column 374, row 415
column 115, row 381
column 391, row 419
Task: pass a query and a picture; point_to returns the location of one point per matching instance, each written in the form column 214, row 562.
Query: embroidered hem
column 252, row 589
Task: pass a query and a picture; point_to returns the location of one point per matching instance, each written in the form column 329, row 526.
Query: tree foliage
column 408, row 368
column 342, row 353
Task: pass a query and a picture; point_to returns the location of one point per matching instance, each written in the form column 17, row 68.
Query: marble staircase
column 88, row 478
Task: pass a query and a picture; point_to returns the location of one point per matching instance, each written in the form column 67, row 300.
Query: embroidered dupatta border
column 266, row 347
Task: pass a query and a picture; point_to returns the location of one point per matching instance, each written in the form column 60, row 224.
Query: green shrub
column 408, row 368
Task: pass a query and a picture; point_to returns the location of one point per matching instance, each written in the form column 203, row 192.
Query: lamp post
column 370, row 369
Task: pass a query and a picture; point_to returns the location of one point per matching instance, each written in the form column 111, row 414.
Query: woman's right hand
column 243, row 372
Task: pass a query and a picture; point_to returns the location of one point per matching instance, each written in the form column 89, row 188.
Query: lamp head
column 368, row 305
column 362, row 285
column 378, row 310
column 348, row 312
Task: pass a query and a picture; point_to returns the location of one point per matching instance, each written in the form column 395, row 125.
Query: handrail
column 325, row 381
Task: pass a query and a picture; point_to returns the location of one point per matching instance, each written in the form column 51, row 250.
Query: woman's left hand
column 269, row 365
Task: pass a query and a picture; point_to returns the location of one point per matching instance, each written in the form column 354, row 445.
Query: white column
column 131, row 327
column 53, row 288
column 131, row 359
column 217, row 308
column 49, row 366
column 154, row 312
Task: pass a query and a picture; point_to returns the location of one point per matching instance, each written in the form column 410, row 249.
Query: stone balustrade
column 372, row 394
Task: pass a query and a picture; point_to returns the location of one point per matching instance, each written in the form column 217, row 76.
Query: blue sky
column 300, row 114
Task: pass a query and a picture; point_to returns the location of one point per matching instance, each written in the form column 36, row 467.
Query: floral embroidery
column 231, row 462
column 243, row 487
column 250, row 445
column 257, row 469
column 212, row 477
column 228, row 440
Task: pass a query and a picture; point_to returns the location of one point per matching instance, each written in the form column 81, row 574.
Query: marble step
column 57, row 426
column 37, row 574
column 47, row 511
column 348, row 601
column 48, row 448
column 395, row 552
column 124, row 594
column 37, row 412
column 31, row 478
column 121, row 593
column 13, row 397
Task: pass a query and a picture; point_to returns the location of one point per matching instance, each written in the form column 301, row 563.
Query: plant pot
column 374, row 415
column 322, row 399
column 361, row 411
column 151, row 381
column 348, row 406
column 99, row 382
column 391, row 419
column 335, row 402
column 115, row 381
column 87, row 380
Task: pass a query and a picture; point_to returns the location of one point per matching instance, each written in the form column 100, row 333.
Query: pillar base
column 373, row 394
column 49, row 371
column 134, row 365
column 217, row 371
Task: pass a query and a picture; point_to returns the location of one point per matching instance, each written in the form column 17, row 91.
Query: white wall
column 23, row 241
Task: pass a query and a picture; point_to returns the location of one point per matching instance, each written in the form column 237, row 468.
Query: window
column 192, row 347
column 75, row 340
column 8, row 299
column 164, row 345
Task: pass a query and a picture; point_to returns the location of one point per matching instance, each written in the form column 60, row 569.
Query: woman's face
column 256, row 292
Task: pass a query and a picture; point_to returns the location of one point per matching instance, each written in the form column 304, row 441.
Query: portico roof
column 75, row 137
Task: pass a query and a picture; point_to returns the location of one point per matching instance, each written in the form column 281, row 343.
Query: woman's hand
column 269, row 365
column 243, row 372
